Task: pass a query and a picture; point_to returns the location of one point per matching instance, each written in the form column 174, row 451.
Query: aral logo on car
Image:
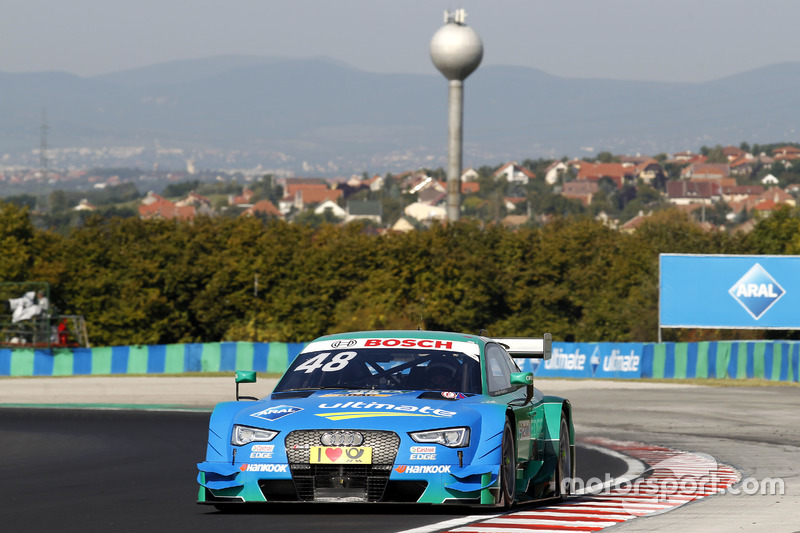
column 276, row 412
column 757, row 291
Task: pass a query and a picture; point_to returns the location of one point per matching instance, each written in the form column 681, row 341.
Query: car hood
column 366, row 409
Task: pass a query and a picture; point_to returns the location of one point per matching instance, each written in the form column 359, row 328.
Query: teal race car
column 394, row 416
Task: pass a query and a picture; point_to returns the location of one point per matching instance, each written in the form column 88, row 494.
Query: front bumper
column 289, row 476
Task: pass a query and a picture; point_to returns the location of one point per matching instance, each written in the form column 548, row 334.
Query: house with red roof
column 619, row 173
column 684, row 192
column 633, row 224
column 470, row 174
column 555, row 171
column 305, row 192
column 734, row 152
column 245, row 198
column 84, row 205
column 201, row 204
column 470, row 187
column 433, row 195
column 772, row 199
column 706, row 171
column 263, row 207
column 744, row 166
column 155, row 206
column 582, row 190
column 375, row 183
column 786, row 152
column 686, row 155
column 513, row 204
column 651, row 172
column 740, row 193
column 514, row 173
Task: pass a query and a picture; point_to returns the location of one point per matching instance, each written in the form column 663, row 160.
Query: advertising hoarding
column 589, row 360
column 729, row 291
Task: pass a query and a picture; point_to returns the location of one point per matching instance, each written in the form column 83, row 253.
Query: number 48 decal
column 337, row 362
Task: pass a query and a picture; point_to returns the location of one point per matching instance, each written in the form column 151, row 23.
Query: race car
column 394, row 416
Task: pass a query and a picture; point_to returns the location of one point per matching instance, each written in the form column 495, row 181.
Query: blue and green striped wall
column 770, row 360
column 159, row 359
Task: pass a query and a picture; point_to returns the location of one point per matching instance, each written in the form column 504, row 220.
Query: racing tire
column 564, row 463
column 508, row 469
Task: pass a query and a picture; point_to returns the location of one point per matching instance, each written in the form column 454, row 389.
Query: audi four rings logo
column 342, row 438
column 346, row 344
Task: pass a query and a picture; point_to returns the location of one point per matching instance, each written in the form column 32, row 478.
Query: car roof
column 408, row 334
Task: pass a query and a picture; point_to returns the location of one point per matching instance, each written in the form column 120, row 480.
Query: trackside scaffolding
column 28, row 320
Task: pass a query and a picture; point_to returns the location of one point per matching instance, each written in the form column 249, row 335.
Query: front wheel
column 508, row 468
column 564, row 466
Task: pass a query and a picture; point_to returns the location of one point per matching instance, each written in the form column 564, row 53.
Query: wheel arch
column 555, row 407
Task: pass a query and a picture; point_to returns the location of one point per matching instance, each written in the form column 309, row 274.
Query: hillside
column 281, row 113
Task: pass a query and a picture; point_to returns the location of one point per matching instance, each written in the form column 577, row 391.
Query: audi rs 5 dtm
column 394, row 416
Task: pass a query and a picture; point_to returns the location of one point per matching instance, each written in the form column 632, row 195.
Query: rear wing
column 522, row 347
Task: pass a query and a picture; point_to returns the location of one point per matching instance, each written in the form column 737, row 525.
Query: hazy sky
column 669, row 40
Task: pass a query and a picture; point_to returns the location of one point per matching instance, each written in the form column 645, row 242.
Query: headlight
column 452, row 437
column 242, row 435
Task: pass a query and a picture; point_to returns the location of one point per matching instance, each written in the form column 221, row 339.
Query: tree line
column 234, row 279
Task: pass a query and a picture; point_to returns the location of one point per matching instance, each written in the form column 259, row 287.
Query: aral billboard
column 729, row 291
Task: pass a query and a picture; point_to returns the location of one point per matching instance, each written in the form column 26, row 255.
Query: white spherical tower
column 456, row 50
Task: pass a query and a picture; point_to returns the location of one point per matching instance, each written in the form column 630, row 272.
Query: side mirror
column 522, row 378
column 244, row 376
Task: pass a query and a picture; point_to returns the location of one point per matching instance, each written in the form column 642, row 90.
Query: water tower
column 456, row 50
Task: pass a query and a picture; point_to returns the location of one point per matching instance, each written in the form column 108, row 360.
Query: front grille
column 326, row 482
column 384, row 444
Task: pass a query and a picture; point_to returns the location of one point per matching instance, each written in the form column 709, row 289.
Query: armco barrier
column 770, row 360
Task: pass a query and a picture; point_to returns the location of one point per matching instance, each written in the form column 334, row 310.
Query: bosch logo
column 410, row 343
column 344, row 344
column 342, row 438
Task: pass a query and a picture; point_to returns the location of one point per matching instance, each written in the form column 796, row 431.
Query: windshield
column 383, row 369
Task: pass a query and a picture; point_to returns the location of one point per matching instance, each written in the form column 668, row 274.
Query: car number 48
column 338, row 362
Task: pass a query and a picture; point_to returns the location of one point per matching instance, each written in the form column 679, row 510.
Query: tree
column 16, row 240
column 22, row 200
column 776, row 233
column 58, row 201
column 180, row 189
column 607, row 157
column 311, row 219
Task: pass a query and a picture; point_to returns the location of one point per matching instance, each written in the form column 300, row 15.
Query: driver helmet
column 440, row 376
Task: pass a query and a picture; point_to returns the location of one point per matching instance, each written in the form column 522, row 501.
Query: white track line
column 635, row 469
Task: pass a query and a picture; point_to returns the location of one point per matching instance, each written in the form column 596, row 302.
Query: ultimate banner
column 729, row 291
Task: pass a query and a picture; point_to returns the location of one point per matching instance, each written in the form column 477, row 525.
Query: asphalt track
column 89, row 470
column 127, row 470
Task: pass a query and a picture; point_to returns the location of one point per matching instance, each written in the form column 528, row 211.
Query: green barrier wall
column 770, row 360
column 160, row 359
